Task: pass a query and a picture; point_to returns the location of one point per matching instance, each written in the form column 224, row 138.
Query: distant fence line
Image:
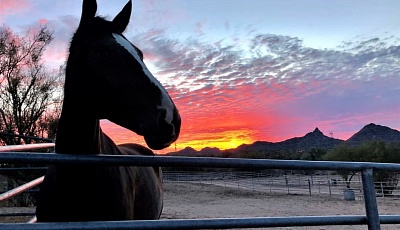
column 327, row 183
column 280, row 181
column 40, row 139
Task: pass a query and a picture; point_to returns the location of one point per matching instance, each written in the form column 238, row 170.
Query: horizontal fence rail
column 372, row 218
column 209, row 162
column 26, row 147
column 21, row 188
column 211, row 223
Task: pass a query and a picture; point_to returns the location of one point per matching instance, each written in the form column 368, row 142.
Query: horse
column 106, row 78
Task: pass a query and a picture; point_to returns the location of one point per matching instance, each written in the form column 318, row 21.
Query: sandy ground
column 194, row 200
column 191, row 200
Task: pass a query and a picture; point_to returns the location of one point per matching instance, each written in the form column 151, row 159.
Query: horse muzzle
column 163, row 134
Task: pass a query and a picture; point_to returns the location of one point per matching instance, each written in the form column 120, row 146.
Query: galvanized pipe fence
column 20, row 189
column 283, row 181
column 10, row 148
column 372, row 218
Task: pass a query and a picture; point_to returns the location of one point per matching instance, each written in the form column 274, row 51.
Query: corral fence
column 372, row 218
column 282, row 181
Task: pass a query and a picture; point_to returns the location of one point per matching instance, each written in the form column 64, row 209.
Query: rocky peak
column 375, row 132
column 314, row 134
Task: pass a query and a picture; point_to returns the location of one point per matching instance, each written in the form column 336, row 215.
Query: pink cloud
column 43, row 21
column 270, row 97
column 13, row 6
column 63, row 29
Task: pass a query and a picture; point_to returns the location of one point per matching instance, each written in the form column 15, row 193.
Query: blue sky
column 241, row 71
column 319, row 24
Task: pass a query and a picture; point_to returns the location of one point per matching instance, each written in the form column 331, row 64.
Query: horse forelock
column 85, row 35
column 98, row 24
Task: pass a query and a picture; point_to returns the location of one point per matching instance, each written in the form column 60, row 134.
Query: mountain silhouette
column 205, row 152
column 315, row 139
column 373, row 132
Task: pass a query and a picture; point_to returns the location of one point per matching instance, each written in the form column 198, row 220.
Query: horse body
column 89, row 193
column 106, row 78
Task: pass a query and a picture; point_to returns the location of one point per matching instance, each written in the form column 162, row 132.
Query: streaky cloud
column 274, row 82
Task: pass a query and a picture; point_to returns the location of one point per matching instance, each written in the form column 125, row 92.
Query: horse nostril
column 162, row 116
column 168, row 131
column 173, row 134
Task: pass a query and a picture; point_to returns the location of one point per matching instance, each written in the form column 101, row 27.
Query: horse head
column 107, row 71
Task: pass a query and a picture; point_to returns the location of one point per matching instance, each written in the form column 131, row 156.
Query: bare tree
column 48, row 123
column 26, row 87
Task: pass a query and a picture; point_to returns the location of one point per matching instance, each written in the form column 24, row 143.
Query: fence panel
column 327, row 183
column 372, row 218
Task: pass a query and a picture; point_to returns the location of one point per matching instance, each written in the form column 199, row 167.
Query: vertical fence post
column 271, row 182
column 309, row 186
column 371, row 206
column 319, row 186
column 329, row 187
column 287, row 184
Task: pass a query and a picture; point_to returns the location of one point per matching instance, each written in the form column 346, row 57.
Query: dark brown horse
column 107, row 79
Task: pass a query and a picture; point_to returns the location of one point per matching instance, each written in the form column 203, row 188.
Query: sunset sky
column 246, row 70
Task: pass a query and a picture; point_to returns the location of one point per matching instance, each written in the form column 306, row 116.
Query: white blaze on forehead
column 165, row 100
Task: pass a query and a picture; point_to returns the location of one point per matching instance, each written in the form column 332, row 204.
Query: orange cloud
column 226, row 100
column 211, row 118
column 222, row 139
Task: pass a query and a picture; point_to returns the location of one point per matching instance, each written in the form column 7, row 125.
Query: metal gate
column 372, row 218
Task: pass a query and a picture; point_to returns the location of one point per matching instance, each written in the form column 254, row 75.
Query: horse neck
column 80, row 133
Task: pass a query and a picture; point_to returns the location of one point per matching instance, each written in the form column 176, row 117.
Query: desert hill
column 374, row 132
column 315, row 139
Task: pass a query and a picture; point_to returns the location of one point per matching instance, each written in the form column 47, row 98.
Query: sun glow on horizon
column 224, row 140
column 228, row 139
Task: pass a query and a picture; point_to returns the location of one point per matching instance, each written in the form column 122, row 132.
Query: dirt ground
column 195, row 200
column 191, row 200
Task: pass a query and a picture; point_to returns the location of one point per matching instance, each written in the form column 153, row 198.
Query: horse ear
column 89, row 8
column 122, row 19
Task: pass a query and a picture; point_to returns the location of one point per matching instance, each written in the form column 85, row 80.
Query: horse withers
column 106, row 78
